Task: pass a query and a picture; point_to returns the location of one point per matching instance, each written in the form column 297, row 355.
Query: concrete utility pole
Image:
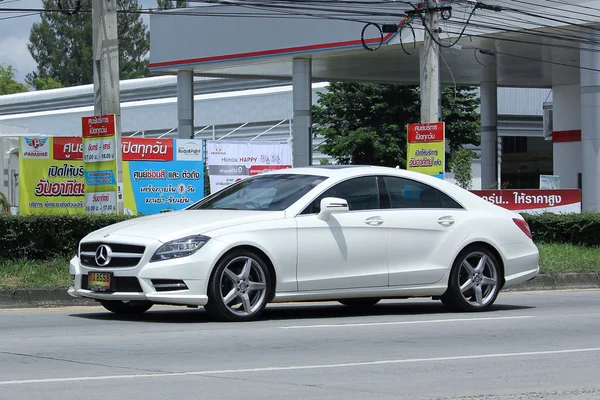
column 430, row 82
column 107, row 98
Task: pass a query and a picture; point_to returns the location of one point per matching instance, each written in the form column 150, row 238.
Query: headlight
column 179, row 248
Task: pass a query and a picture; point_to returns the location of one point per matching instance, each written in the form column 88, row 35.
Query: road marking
column 296, row 367
column 430, row 321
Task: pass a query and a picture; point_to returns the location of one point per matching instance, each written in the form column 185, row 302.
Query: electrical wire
column 364, row 42
column 18, row 16
column 409, row 25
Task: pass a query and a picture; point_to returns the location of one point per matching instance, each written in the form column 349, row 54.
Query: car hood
column 175, row 224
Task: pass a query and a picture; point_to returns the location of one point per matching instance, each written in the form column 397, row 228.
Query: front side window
column 261, row 193
column 405, row 193
column 360, row 193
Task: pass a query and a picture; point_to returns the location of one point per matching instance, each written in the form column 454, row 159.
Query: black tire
column 223, row 285
column 126, row 307
column 481, row 280
column 359, row 302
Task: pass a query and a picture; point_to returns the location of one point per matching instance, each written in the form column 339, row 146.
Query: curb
column 590, row 280
column 31, row 298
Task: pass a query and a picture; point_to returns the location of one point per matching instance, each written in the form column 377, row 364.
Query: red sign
column 98, row 126
column 68, row 148
column 533, row 199
column 145, row 149
column 259, row 169
column 425, row 133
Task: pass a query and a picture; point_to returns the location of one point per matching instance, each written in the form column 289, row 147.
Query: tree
column 170, row 4
column 462, row 167
column 4, row 203
column 459, row 111
column 8, row 84
column 46, row 83
column 61, row 44
column 366, row 123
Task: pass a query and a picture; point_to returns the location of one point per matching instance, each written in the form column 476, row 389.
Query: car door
column 426, row 228
column 348, row 250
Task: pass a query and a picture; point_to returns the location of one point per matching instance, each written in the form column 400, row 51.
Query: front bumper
column 181, row 281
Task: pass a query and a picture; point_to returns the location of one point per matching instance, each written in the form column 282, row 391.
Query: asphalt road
column 543, row 345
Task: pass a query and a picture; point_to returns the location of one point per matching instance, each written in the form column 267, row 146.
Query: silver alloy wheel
column 478, row 279
column 243, row 284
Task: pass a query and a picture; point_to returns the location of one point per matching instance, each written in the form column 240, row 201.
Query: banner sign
column 99, row 164
column 158, row 175
column 50, row 181
column 162, row 174
column 232, row 161
column 426, row 148
column 535, row 201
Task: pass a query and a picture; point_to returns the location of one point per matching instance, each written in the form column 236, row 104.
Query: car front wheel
column 474, row 281
column 239, row 287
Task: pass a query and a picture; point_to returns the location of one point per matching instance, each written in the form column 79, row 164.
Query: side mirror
column 332, row 205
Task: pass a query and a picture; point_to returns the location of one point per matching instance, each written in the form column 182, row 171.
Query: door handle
column 374, row 221
column 446, row 221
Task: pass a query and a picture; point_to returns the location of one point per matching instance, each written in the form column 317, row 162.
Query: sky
column 14, row 34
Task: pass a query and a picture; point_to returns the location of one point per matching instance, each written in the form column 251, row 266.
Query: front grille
column 128, row 284
column 120, row 255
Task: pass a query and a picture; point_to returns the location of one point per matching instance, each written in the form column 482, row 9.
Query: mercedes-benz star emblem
column 103, row 254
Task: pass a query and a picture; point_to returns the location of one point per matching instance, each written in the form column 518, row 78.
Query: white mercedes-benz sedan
column 353, row 234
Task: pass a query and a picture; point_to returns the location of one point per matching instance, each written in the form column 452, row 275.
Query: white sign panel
column 99, row 150
column 231, row 161
column 549, row 182
column 101, row 203
column 36, row 148
column 189, row 150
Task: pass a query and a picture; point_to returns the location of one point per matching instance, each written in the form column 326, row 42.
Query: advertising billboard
column 426, row 148
column 158, row 175
column 99, row 164
column 534, row 201
column 231, row 161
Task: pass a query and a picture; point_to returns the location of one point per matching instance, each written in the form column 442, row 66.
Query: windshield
column 262, row 192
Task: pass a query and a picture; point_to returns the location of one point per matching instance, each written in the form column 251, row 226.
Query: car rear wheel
column 239, row 287
column 474, row 281
column 359, row 302
column 126, row 307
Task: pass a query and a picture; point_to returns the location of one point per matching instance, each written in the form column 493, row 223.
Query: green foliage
column 462, row 167
column 8, row 84
column 170, row 4
column 366, row 123
column 46, row 83
column 61, row 45
column 577, row 229
column 4, row 203
column 44, row 237
column 459, row 111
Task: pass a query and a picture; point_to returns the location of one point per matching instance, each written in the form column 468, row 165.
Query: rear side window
column 405, row 193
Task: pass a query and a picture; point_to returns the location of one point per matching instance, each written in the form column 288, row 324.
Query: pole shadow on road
column 296, row 311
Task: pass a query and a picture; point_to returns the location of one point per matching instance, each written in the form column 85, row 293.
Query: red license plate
column 100, row 281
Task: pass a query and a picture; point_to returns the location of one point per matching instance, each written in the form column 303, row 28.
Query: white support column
column 302, row 124
column 566, row 135
column 590, row 128
column 489, row 126
column 185, row 104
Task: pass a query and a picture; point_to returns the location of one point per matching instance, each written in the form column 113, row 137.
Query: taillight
column 524, row 227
